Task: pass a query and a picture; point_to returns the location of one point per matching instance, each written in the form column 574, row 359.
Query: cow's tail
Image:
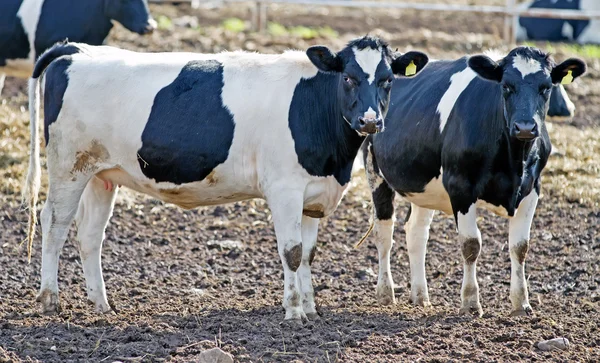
column 34, row 172
column 32, row 184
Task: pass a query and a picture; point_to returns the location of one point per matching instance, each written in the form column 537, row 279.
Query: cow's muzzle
column 370, row 125
column 150, row 27
column 525, row 131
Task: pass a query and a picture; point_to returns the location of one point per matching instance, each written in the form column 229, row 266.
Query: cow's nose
column 526, row 130
column 370, row 125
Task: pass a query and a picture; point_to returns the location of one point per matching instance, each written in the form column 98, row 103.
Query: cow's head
column 365, row 71
column 132, row 14
column 527, row 76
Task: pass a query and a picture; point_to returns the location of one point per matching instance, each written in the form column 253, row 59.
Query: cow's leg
column 56, row 217
column 518, row 241
column 417, row 234
column 310, row 227
column 470, row 238
column 286, row 208
column 95, row 209
column 384, row 216
column 2, row 78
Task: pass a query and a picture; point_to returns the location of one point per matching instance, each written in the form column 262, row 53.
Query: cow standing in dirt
column 29, row 27
column 463, row 134
column 204, row 129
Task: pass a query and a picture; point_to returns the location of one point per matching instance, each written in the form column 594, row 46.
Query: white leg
column 470, row 238
column 286, row 207
column 310, row 227
column 2, row 78
column 383, row 233
column 56, row 218
column 518, row 241
column 95, row 209
column 384, row 216
column 417, row 234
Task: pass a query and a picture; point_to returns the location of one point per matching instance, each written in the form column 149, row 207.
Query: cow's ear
column 408, row 64
column 486, row 68
column 568, row 70
column 324, row 59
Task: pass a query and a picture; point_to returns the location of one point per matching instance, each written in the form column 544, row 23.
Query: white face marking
column 368, row 59
column 526, row 65
column 370, row 114
column 458, row 83
column 29, row 12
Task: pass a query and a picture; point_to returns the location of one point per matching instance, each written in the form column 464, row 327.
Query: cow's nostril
column 379, row 122
column 361, row 121
column 517, row 128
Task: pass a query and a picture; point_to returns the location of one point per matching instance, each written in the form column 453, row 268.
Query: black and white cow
column 560, row 30
column 29, row 27
column 463, row 134
column 204, row 129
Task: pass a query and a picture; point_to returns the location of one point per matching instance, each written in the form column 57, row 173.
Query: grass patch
column 303, row 32
column 234, row 25
column 582, row 50
column 164, row 22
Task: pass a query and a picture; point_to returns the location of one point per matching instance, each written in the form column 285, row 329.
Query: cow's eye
column 388, row 82
column 544, row 90
column 349, row 80
column 507, row 89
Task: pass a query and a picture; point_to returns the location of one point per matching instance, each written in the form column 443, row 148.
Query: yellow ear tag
column 411, row 69
column 568, row 78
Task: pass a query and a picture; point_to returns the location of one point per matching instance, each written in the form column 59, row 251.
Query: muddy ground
column 176, row 296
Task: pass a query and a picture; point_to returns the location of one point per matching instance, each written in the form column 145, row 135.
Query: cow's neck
column 325, row 143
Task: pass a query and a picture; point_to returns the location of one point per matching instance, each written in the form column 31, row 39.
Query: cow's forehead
column 525, row 66
column 368, row 60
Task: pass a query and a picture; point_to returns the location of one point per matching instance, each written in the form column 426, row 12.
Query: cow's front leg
column 417, row 234
column 518, row 241
column 286, row 207
column 470, row 239
column 310, row 227
column 2, row 78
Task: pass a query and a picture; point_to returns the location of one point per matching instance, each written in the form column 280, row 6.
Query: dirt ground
column 176, row 295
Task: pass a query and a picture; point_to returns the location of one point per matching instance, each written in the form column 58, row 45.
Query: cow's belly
column 210, row 191
column 435, row 197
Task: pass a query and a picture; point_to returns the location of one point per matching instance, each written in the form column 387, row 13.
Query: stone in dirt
column 215, row 355
column 225, row 244
column 553, row 344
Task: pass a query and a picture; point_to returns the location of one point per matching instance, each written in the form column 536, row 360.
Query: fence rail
column 511, row 12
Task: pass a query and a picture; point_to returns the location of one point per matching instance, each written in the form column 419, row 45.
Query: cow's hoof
column 385, row 295
column 420, row 301
column 101, row 307
column 49, row 302
column 473, row 309
column 525, row 311
column 292, row 323
column 313, row 316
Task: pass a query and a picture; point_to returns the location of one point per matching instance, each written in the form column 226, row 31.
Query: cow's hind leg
column 384, row 217
column 417, row 234
column 286, row 206
column 310, row 227
column 95, row 209
column 518, row 240
column 56, row 217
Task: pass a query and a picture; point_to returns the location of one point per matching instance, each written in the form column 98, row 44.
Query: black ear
column 576, row 66
column 324, row 59
column 401, row 62
column 486, row 68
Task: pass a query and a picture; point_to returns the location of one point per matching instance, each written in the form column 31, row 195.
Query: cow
column 29, row 27
column 203, row 129
column 560, row 30
column 464, row 134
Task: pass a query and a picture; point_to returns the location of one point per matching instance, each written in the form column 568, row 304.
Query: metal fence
column 511, row 11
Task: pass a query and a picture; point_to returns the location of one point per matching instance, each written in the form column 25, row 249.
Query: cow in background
column 560, row 30
column 29, row 27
